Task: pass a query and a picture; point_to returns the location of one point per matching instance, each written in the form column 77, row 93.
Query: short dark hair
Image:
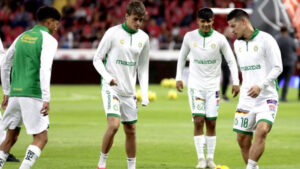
column 205, row 13
column 283, row 29
column 136, row 7
column 46, row 12
column 237, row 14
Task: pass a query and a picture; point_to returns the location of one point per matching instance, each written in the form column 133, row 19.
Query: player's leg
column 287, row 76
column 12, row 121
column 282, row 76
column 225, row 79
column 264, row 122
column 36, row 124
column 10, row 140
column 199, row 140
column 2, row 130
column 258, row 146
column 128, row 108
column 113, row 124
column 130, row 143
column 244, row 125
column 197, row 105
column 34, row 150
column 244, row 141
column 111, row 106
column 212, row 106
column 210, row 142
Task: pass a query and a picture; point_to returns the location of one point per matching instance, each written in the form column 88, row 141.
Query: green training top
column 25, row 78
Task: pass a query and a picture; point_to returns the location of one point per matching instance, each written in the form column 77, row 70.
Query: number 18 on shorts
column 247, row 116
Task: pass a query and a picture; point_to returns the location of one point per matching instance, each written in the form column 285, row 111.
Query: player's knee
column 211, row 124
column 243, row 141
column 262, row 134
column 199, row 122
column 113, row 127
column 130, row 130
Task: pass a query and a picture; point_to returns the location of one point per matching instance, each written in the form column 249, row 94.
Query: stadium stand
column 85, row 21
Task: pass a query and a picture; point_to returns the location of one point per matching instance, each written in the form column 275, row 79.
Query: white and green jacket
column 29, row 59
column 260, row 63
column 205, row 52
column 2, row 52
column 125, row 53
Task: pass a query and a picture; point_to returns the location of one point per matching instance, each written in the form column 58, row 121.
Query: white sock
column 211, row 145
column 2, row 135
column 131, row 163
column 251, row 164
column 102, row 160
column 2, row 131
column 32, row 154
column 199, row 144
column 3, row 157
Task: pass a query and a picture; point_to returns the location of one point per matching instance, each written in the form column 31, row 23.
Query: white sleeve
column 101, row 52
column 143, row 72
column 49, row 48
column 2, row 53
column 6, row 65
column 273, row 57
column 230, row 59
column 184, row 51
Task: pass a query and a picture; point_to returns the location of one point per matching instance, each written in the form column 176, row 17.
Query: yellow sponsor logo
column 29, row 39
column 17, row 89
column 240, row 50
column 121, row 42
column 195, row 44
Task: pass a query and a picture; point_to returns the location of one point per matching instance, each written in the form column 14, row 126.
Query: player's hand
column 113, row 82
column 4, row 102
column 254, row 91
column 45, row 109
column 179, row 85
column 235, row 90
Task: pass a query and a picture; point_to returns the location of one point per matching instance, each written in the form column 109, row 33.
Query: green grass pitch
column 164, row 134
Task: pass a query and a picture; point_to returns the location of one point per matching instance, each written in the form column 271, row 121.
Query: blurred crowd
column 85, row 21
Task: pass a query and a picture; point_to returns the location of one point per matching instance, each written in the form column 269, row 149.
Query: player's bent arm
column 229, row 57
column 49, row 48
column 143, row 72
column 99, row 66
column 6, row 64
column 184, row 51
column 2, row 53
column 273, row 57
column 102, row 51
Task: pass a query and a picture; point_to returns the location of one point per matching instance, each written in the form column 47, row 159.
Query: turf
column 164, row 130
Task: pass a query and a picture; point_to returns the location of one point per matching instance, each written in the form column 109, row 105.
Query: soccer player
column 27, row 96
column 259, row 59
column 11, row 157
column 124, row 49
column 205, row 47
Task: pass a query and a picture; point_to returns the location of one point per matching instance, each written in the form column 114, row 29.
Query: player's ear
column 244, row 21
column 212, row 20
column 126, row 16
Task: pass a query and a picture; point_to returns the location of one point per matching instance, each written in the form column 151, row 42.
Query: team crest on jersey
column 140, row 44
column 213, row 45
column 121, row 41
column 240, row 49
column 195, row 44
column 255, row 48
